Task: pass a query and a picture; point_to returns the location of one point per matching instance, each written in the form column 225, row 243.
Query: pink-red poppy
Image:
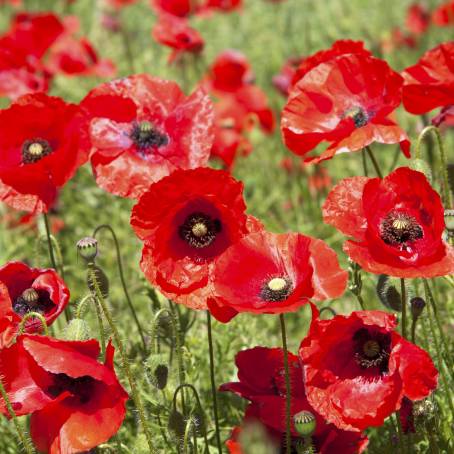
column 443, row 16
column 41, row 147
column 430, row 83
column 175, row 32
column 347, row 101
column 358, row 369
column 179, row 8
column 23, row 290
column 445, row 118
column 417, row 20
column 75, row 402
column 144, row 128
column 269, row 273
column 186, row 220
column 283, row 81
column 262, row 381
column 396, row 223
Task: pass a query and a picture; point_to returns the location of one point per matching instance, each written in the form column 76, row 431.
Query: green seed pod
column 30, row 295
column 88, row 248
column 388, row 294
column 77, row 329
column 157, row 371
column 305, row 423
column 421, row 166
column 417, row 305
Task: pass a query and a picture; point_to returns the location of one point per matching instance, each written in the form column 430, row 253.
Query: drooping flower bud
column 78, row 330
column 417, row 305
column 157, row 371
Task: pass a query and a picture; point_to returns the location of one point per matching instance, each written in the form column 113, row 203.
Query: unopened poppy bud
column 176, row 424
column 102, row 282
column 388, row 294
column 421, row 166
column 424, row 410
column 305, row 423
column 157, row 371
column 78, row 330
column 417, row 305
column 88, row 248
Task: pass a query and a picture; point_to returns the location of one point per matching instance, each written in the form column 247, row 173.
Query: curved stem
column 187, row 434
column 403, row 293
column 124, row 360
column 413, row 330
column 49, row 242
column 213, row 383
column 447, row 196
column 20, row 432
column 287, row 386
column 329, row 309
column 30, row 315
column 122, row 279
column 374, row 162
column 82, row 304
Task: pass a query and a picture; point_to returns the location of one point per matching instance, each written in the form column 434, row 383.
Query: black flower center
column 200, row 230
column 34, row 150
column 81, row 387
column 276, row 289
column 32, row 300
column 146, row 136
column 372, row 349
column 400, row 228
column 359, row 116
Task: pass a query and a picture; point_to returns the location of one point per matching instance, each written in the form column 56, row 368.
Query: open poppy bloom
column 144, row 128
column 430, row 83
column 118, row 4
column 24, row 289
column 443, row 16
column 224, row 6
column 261, row 377
column 179, row 8
column 418, row 19
column 357, row 368
column 396, row 222
column 76, row 403
column 41, row 147
column 283, row 272
column 346, row 101
column 175, row 32
column 445, row 117
column 186, row 220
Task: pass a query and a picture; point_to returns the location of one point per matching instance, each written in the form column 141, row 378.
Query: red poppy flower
column 262, row 381
column 396, row 40
column 357, row 368
column 118, row 4
column 346, row 101
column 175, row 32
column 186, row 220
column 430, row 83
column 397, row 224
column 338, row 48
column 180, row 8
column 443, row 16
column 76, row 402
column 445, row 117
column 229, row 72
column 284, row 80
column 41, row 147
column 283, row 272
column 24, row 289
column 143, row 129
column 224, row 6
column 418, row 19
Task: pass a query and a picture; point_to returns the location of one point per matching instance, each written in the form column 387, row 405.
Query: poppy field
column 227, row 226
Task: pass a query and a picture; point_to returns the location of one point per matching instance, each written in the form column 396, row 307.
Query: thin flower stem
column 20, row 432
column 401, row 433
column 287, row 386
column 49, row 242
column 447, row 196
column 124, row 360
column 361, row 301
column 413, row 330
column 127, row 47
column 364, row 162
column 403, row 293
column 213, row 383
column 187, row 435
column 122, row 279
column 374, row 162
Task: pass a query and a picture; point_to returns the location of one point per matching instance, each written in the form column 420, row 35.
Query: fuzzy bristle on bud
column 417, row 305
column 157, row 370
column 78, row 330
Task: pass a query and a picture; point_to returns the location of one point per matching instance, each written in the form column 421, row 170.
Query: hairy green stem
column 374, row 162
column 30, row 315
column 287, row 387
column 122, row 279
column 20, row 432
column 124, row 360
column 213, row 383
column 49, row 242
column 403, row 293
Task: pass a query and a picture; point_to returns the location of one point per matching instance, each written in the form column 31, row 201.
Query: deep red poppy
column 445, row 117
column 24, row 289
column 396, row 222
column 443, row 16
column 179, row 8
column 76, row 402
column 175, row 32
column 143, row 128
column 262, row 381
column 186, row 220
column 224, row 6
column 357, row 368
column 346, row 101
column 430, row 83
column 41, row 147
column 418, row 19
column 274, row 273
